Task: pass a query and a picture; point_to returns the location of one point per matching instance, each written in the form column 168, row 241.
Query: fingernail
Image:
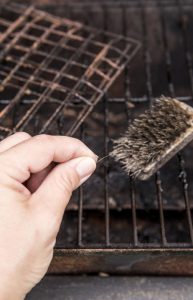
column 96, row 158
column 85, row 168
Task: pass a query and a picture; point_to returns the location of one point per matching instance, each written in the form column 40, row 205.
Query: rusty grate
column 49, row 63
column 114, row 224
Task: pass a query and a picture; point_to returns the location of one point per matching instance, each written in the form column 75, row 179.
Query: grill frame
column 133, row 258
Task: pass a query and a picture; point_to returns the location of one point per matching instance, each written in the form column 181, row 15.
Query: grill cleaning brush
column 154, row 137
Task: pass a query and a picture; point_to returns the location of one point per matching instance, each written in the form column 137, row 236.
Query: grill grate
column 126, row 226
column 57, row 61
column 122, row 110
column 114, row 224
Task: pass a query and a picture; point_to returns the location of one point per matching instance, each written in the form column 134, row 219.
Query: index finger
column 36, row 153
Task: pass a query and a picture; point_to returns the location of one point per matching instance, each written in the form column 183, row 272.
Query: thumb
column 55, row 191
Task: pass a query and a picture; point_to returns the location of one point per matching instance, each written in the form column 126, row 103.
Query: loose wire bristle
column 102, row 158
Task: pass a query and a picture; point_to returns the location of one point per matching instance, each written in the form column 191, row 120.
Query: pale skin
column 37, row 177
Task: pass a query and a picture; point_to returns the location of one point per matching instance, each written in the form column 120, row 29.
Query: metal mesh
column 45, row 59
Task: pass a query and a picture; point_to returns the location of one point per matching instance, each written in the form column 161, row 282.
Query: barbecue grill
column 114, row 224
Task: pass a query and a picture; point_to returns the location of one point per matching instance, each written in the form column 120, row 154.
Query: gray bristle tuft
column 150, row 135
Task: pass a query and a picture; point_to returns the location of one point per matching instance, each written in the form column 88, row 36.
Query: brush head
column 154, row 137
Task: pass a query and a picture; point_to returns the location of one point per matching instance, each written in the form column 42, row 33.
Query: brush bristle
column 150, row 135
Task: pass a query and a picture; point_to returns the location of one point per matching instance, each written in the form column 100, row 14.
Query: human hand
column 34, row 192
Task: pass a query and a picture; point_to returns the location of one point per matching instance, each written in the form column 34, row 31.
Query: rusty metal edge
column 123, row 261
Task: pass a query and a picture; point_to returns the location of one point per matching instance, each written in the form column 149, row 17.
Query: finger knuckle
column 77, row 141
column 43, row 138
column 22, row 135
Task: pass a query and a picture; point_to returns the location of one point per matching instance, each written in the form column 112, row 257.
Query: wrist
column 5, row 295
column 8, row 291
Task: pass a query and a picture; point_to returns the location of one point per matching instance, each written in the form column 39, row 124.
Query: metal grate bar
column 183, row 173
column 168, row 62
column 80, row 192
column 106, row 171
column 127, row 98
column 186, row 45
column 183, row 178
column 161, row 208
column 146, row 246
column 80, row 215
column 147, row 60
column 134, row 214
column 146, row 53
column 80, row 201
column 106, row 150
